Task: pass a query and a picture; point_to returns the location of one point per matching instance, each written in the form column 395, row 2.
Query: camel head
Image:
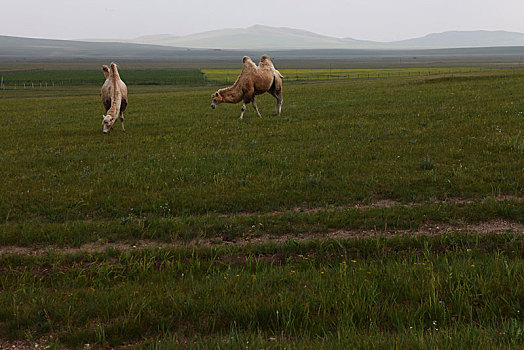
column 217, row 99
column 107, row 123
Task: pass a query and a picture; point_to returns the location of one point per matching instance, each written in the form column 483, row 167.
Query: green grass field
column 51, row 77
column 304, row 74
column 372, row 213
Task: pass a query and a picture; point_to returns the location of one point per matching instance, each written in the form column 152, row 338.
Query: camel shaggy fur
column 114, row 97
column 253, row 80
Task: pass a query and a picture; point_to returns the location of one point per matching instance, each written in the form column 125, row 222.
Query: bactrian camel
column 114, row 97
column 252, row 81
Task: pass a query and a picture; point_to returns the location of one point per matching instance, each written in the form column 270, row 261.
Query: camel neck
column 232, row 94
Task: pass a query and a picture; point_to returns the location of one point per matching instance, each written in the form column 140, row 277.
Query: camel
column 114, row 98
column 252, row 81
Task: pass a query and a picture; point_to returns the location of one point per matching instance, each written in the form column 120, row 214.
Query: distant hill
column 260, row 37
column 284, row 47
column 479, row 38
column 44, row 48
column 256, row 37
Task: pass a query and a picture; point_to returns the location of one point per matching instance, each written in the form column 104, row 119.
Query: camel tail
column 280, row 75
column 116, row 96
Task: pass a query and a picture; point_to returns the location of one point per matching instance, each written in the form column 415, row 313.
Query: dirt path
column 496, row 226
column 24, row 344
column 384, row 203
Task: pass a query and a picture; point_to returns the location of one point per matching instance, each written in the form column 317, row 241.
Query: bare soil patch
column 495, row 226
column 24, row 344
column 385, row 203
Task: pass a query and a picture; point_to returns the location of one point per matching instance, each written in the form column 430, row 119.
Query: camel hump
column 115, row 76
column 116, row 92
column 265, row 62
column 248, row 64
column 114, row 70
column 115, row 81
column 105, row 69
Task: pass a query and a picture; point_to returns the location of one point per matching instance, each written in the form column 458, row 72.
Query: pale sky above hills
column 379, row 20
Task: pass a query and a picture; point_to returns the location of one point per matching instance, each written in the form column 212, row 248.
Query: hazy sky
column 382, row 20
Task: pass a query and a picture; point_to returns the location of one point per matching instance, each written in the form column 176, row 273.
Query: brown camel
column 252, row 81
column 114, row 97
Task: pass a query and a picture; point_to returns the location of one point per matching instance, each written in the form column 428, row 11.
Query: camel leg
column 243, row 110
column 122, row 120
column 256, row 108
column 278, row 96
column 278, row 107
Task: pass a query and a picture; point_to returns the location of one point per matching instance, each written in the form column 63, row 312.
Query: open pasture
column 383, row 212
column 305, row 74
column 51, row 77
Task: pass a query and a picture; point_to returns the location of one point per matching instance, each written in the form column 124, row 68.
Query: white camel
column 114, row 98
column 252, row 81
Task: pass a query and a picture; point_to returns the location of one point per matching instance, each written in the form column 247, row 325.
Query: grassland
column 304, row 74
column 31, row 76
column 51, row 77
column 452, row 291
column 372, row 213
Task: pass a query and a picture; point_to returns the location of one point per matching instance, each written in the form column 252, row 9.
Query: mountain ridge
column 260, row 37
column 345, row 48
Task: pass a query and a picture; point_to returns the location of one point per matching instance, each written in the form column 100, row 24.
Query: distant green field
column 372, row 213
column 229, row 75
column 131, row 77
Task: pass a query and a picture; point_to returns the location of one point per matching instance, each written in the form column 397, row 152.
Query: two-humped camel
column 114, row 97
column 252, row 81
